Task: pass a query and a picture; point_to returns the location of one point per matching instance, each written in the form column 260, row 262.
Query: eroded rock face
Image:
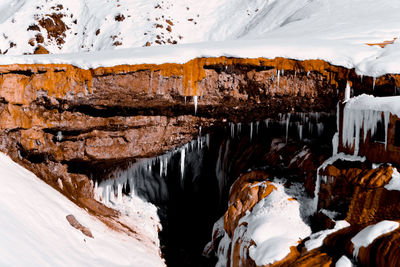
column 353, row 191
column 70, row 125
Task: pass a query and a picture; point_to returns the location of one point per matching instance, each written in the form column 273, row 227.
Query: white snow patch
column 34, row 230
column 331, row 214
column 394, row 183
column 317, row 239
column 344, row 262
column 366, row 236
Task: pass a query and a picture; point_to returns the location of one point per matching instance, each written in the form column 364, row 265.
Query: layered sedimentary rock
column 69, row 124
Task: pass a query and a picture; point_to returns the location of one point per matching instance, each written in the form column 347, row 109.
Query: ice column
column 195, row 103
column 347, row 92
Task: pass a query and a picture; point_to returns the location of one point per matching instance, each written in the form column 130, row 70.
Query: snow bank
column 236, row 28
column 317, row 239
column 274, row 225
column 34, row 230
column 394, row 183
column 365, row 237
column 344, row 262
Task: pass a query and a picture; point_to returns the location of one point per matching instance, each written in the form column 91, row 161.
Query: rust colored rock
column 384, row 43
column 54, row 26
column 40, row 50
column 360, row 193
column 312, row 258
column 245, row 193
column 74, row 223
column 384, row 251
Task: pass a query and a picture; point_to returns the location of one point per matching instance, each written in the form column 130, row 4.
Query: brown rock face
column 360, row 191
column 68, row 124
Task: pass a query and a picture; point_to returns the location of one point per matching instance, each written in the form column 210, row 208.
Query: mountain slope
column 92, row 25
column 35, row 232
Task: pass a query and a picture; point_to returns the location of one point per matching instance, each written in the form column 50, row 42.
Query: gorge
column 180, row 135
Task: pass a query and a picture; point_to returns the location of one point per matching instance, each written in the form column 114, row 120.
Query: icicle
column 337, row 116
column 257, row 125
column 161, row 167
column 119, row 193
column 251, row 131
column 387, row 120
column 199, row 130
column 373, row 83
column 266, row 121
column 347, row 92
column 185, row 100
column 283, row 72
column 362, row 76
column 59, row 136
column 335, row 143
column 195, row 103
column 320, row 128
column 300, row 130
column 199, row 143
column 239, row 128
column 279, row 75
column 182, row 163
column 166, row 159
column 208, row 140
column 232, row 130
column 308, row 73
column 287, row 126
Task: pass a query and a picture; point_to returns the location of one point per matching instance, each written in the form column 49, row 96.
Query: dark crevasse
column 190, row 185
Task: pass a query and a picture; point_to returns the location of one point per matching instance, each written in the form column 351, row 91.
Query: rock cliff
column 72, row 127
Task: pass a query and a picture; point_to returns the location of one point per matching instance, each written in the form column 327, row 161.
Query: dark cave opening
column 190, row 186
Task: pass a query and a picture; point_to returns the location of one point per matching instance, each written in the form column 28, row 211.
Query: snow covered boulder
column 262, row 225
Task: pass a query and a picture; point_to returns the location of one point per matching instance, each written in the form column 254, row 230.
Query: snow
column 274, row 225
column 344, row 262
column 364, row 112
column 299, row 29
column 317, row 239
column 34, row 230
column 394, row 183
column 366, row 236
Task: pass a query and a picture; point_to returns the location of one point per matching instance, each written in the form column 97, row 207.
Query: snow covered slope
column 35, row 232
column 336, row 31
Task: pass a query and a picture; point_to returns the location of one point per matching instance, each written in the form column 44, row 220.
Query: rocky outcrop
column 353, row 191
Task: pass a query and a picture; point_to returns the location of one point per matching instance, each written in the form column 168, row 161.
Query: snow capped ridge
column 250, row 29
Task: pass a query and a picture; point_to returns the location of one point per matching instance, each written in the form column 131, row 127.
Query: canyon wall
column 71, row 126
